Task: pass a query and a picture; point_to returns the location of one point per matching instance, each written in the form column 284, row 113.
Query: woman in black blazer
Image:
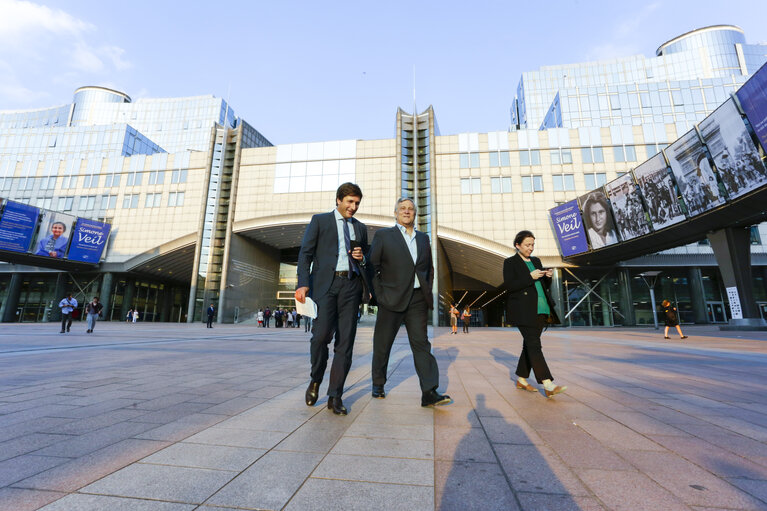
column 529, row 306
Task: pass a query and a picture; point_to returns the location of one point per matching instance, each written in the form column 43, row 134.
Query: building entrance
column 716, row 313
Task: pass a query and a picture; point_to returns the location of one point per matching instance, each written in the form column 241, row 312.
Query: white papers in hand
column 309, row 308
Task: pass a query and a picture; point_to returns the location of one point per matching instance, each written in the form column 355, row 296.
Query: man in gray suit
column 402, row 281
column 331, row 270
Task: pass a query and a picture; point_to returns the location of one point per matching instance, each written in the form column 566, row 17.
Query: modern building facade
column 205, row 209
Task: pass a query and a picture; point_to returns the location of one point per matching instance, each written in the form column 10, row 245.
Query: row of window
column 531, row 157
column 130, row 201
column 155, row 177
column 534, row 183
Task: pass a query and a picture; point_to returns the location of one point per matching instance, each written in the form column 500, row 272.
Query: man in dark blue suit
column 331, row 271
column 402, row 281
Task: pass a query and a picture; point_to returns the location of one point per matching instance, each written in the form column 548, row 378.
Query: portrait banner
column 54, row 235
column 17, row 226
column 753, row 99
column 89, row 238
column 629, row 213
column 694, row 174
column 735, row 156
column 568, row 227
column 659, row 192
column 598, row 219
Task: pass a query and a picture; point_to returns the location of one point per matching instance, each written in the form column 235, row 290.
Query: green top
column 543, row 305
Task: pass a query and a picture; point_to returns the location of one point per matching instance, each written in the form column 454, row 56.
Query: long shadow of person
column 497, row 466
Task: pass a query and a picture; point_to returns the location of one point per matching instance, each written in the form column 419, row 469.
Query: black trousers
column 532, row 352
column 466, row 326
column 210, row 321
column 66, row 322
column 336, row 314
column 387, row 326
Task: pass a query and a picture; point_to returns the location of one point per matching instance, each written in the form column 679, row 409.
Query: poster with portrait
column 694, row 174
column 598, row 219
column 568, row 228
column 753, row 99
column 735, row 156
column 659, row 192
column 89, row 238
column 54, row 235
column 628, row 210
column 17, row 226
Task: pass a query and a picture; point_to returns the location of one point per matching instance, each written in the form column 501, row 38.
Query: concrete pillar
column 697, row 294
column 130, row 288
column 167, row 304
column 557, row 294
column 626, row 299
column 11, row 302
column 105, row 294
column 604, row 292
column 732, row 249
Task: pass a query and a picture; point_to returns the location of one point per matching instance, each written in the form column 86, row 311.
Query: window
column 108, row 201
column 134, row 179
column 130, row 200
column 48, row 183
column 555, row 157
column 594, row 181
column 755, row 238
column 157, row 177
column 26, row 183
column 112, row 180
column 178, row 176
column 499, row 158
column 65, row 203
column 91, row 181
column 530, row 157
column 652, row 149
column 5, row 183
column 46, row 202
column 563, row 182
column 500, row 184
column 470, row 186
column 532, row 183
column 87, row 202
column 69, row 182
column 176, row 199
column 592, row 155
column 153, row 200
column 627, row 153
column 463, row 161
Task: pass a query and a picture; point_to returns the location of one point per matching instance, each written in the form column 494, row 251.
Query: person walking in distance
column 211, row 312
column 454, row 319
column 331, row 269
column 93, row 311
column 67, row 306
column 466, row 317
column 530, row 307
column 267, row 317
column 671, row 319
column 135, row 315
column 403, row 277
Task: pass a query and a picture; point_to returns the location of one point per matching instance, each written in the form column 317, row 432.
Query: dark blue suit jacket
column 319, row 254
column 394, row 272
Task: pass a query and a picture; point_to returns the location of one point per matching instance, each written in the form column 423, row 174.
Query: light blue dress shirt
column 411, row 245
column 343, row 260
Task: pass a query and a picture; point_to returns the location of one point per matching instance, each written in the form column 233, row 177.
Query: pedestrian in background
column 129, row 316
column 93, row 311
column 260, row 318
column 466, row 317
column 67, row 306
column 671, row 319
column 454, row 319
column 211, row 312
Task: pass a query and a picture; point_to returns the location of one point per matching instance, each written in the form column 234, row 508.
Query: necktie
column 348, row 243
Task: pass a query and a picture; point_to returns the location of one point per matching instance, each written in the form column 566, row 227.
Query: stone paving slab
column 178, row 417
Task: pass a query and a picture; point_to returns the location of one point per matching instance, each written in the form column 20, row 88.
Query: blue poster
column 89, row 239
column 17, row 226
column 568, row 227
column 753, row 98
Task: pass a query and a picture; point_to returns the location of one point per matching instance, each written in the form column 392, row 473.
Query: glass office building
column 204, row 209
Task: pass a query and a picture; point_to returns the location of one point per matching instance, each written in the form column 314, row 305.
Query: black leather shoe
column 335, row 404
column 378, row 392
column 433, row 398
column 312, row 393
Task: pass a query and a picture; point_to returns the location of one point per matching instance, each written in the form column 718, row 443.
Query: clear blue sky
column 312, row 71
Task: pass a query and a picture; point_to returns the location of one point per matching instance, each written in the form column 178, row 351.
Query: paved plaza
column 179, row 417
